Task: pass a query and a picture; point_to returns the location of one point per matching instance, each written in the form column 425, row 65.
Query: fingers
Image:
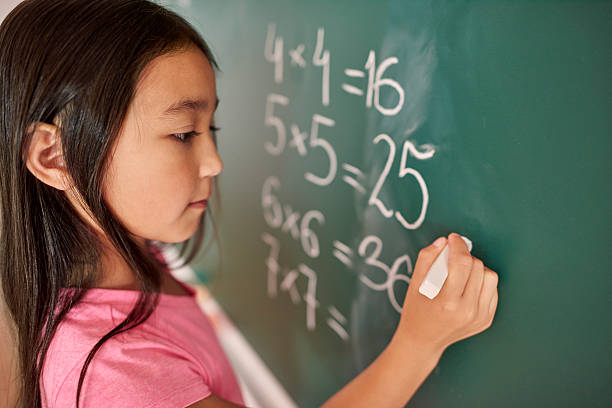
column 459, row 267
column 493, row 305
column 487, row 303
column 480, row 316
column 426, row 258
column 473, row 286
column 488, row 293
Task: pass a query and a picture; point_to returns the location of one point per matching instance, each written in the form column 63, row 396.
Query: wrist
column 413, row 350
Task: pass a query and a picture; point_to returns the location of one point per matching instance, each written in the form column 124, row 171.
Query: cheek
column 149, row 196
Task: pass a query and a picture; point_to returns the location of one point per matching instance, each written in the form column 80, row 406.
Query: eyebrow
column 188, row 105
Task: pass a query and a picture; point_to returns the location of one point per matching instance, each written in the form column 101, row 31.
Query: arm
column 380, row 381
column 465, row 306
column 390, row 381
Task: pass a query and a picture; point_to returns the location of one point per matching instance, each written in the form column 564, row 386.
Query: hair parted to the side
column 75, row 63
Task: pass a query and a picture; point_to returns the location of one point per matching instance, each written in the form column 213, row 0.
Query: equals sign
column 353, row 73
column 336, row 323
column 343, row 253
column 350, row 180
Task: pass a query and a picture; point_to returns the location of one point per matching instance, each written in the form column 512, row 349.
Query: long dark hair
column 75, row 62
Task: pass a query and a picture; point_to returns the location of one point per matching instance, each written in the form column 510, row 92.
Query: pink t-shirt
column 173, row 359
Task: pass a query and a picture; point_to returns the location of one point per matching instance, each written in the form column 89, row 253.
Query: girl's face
column 165, row 157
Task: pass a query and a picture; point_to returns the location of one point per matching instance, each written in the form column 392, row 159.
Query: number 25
column 374, row 200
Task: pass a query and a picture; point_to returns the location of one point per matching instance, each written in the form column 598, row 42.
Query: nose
column 210, row 161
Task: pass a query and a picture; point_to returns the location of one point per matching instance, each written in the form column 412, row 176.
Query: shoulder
column 142, row 373
column 134, row 368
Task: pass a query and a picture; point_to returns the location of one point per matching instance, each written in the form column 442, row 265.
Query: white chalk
column 436, row 276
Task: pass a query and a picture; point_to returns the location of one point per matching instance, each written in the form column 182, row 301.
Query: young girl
column 108, row 152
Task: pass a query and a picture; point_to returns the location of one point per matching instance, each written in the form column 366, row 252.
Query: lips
column 202, row 204
column 203, row 200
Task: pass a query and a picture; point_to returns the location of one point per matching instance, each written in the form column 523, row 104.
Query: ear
column 45, row 158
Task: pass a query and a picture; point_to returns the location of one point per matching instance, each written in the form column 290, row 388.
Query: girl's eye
column 186, row 137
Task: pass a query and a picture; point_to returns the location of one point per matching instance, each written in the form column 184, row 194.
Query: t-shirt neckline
column 105, row 295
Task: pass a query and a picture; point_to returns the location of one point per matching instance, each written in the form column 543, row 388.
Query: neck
column 116, row 273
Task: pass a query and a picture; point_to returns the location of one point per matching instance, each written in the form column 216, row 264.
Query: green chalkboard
column 356, row 132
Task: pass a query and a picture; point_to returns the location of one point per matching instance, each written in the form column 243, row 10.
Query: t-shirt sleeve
column 139, row 374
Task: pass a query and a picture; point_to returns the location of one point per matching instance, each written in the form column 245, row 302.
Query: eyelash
column 186, row 137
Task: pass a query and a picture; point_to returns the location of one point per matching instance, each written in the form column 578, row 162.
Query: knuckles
column 449, row 306
column 477, row 264
column 428, row 250
column 464, row 261
column 491, row 278
column 469, row 315
column 461, row 313
column 426, row 253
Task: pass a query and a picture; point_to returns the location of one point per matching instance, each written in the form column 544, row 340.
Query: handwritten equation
column 304, row 227
column 274, row 53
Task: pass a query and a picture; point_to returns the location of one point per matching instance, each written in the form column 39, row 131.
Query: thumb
column 426, row 258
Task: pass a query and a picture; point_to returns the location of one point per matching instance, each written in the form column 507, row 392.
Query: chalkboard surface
column 356, row 132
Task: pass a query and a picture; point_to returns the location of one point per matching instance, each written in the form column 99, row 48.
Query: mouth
column 199, row 204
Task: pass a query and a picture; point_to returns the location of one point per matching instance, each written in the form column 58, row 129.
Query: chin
column 179, row 236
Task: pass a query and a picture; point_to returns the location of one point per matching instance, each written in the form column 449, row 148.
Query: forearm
column 390, row 381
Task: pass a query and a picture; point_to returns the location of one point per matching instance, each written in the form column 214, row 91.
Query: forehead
column 174, row 77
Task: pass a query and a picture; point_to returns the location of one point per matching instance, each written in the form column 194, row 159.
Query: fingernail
column 439, row 242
